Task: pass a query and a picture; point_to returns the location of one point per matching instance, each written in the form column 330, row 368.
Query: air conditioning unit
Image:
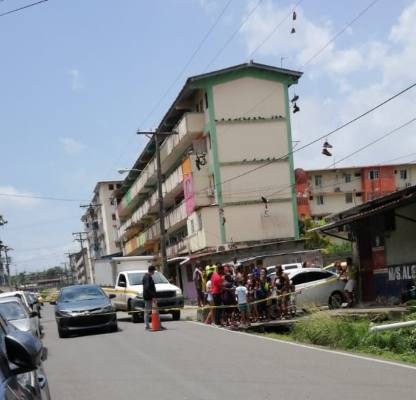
column 222, row 247
column 337, row 189
column 210, row 192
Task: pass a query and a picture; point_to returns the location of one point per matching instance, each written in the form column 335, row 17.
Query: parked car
column 331, row 267
column 38, row 297
column 17, row 313
column 28, row 300
column 21, row 371
column 286, row 267
column 53, row 297
column 83, row 307
column 317, row 287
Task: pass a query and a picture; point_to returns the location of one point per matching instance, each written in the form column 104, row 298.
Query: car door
column 316, row 288
column 298, row 280
column 120, row 300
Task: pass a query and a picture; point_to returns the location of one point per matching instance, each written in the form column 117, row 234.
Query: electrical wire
column 274, row 30
column 375, row 141
column 22, row 8
column 172, row 84
column 320, row 138
column 339, row 33
column 40, row 197
column 233, row 35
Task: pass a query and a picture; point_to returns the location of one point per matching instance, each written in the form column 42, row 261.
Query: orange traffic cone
column 155, row 317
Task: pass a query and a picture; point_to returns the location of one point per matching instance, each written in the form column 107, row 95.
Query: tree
column 313, row 240
column 53, row 273
column 2, row 221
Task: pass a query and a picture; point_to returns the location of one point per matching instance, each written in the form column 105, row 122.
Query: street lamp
column 124, row 170
column 160, row 178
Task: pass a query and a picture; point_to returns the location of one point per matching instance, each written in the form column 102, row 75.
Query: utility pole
column 91, row 212
column 71, row 267
column 6, row 249
column 97, row 251
column 160, row 179
column 80, row 237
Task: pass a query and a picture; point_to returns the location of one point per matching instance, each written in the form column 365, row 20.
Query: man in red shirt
column 216, row 290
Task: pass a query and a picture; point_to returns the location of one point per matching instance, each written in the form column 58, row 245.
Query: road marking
column 311, row 347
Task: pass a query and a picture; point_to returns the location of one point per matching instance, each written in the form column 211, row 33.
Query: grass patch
column 345, row 334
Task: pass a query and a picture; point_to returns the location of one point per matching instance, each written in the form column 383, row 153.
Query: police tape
column 167, row 310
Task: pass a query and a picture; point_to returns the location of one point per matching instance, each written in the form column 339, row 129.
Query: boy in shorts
column 241, row 293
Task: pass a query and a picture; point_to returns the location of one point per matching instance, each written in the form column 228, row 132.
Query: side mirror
column 122, row 284
column 112, row 295
column 53, row 302
column 24, row 351
column 33, row 314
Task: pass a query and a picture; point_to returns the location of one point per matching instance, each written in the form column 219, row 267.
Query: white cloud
column 72, row 146
column 76, row 80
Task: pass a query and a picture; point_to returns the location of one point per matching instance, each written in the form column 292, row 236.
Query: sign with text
column 402, row 272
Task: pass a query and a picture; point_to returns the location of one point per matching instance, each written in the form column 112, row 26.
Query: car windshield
column 13, row 310
column 136, row 278
column 81, row 293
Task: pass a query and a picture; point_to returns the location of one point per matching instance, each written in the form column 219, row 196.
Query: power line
column 37, row 197
column 232, row 36
column 339, row 33
column 375, row 141
column 316, row 140
column 174, row 82
column 274, row 30
column 22, row 8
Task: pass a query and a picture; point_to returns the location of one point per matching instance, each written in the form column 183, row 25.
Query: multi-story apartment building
column 228, row 169
column 321, row 193
column 100, row 221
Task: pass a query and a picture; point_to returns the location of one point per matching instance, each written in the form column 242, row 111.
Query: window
column 403, row 174
column 199, row 221
column 188, row 187
column 318, row 180
column 206, row 100
column 347, row 178
column 113, row 217
column 299, row 278
column 317, row 275
column 319, row 200
column 110, row 186
column 201, row 106
column 372, row 174
column 118, row 186
column 348, row 198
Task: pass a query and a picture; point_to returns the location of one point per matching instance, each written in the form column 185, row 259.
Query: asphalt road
column 193, row 361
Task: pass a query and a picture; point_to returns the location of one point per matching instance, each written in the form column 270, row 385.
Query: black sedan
column 84, row 307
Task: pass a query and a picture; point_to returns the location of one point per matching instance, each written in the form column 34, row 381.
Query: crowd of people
column 236, row 298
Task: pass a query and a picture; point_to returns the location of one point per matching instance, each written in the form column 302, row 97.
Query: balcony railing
column 172, row 183
column 172, row 219
column 177, row 248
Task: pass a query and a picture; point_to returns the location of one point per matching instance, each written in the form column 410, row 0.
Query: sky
column 78, row 78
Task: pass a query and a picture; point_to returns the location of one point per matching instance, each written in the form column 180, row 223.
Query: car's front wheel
column 176, row 315
column 62, row 334
column 135, row 317
column 335, row 300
